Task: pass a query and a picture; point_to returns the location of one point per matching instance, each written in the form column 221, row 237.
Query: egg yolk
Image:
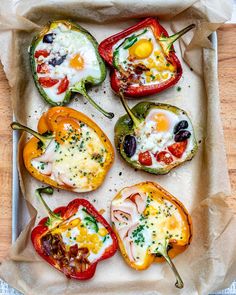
column 141, row 49
column 67, row 130
column 77, row 62
column 162, row 121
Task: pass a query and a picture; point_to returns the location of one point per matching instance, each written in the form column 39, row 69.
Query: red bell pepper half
column 71, row 258
column 128, row 81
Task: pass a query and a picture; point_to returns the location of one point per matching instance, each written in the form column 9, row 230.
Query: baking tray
column 20, row 216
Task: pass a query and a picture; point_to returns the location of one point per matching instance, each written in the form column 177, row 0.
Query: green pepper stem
column 80, row 88
column 135, row 120
column 18, row 126
column 162, row 249
column 54, row 219
column 167, row 42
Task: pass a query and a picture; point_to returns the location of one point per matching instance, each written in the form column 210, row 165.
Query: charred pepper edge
column 124, row 126
column 172, row 252
column 72, row 91
column 57, row 215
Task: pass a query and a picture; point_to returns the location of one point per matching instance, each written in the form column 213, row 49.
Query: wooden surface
column 227, row 66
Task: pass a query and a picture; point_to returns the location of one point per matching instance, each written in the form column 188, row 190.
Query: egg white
column 69, row 42
column 149, row 139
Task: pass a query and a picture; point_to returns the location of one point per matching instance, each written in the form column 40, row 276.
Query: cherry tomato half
column 63, row 85
column 177, row 149
column 47, row 82
column 164, row 157
column 42, row 69
column 145, row 158
column 44, row 53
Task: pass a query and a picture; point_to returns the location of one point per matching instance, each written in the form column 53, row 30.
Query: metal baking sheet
column 20, row 216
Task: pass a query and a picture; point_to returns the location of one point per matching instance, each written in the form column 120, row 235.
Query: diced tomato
column 47, row 82
column 177, row 149
column 63, row 85
column 145, row 158
column 164, row 157
column 44, row 53
column 42, row 69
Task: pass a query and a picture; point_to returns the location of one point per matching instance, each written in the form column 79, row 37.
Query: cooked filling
column 64, row 57
column 140, row 59
column 77, row 242
column 164, row 138
column 74, row 158
column 144, row 220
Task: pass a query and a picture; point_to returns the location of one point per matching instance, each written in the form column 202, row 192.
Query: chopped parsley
column 138, row 235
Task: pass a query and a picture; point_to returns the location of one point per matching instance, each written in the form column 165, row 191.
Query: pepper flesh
column 119, row 81
column 64, row 87
column 83, row 270
column 129, row 123
column 51, row 127
column 131, row 209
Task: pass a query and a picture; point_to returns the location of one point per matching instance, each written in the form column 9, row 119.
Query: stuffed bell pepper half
column 155, row 137
column 64, row 59
column 142, row 59
column 151, row 226
column 69, row 151
column 73, row 239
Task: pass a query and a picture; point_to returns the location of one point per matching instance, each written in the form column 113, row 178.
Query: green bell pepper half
column 127, row 124
column 80, row 86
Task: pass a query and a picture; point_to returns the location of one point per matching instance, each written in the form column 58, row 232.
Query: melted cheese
column 76, row 230
column 142, row 233
column 76, row 163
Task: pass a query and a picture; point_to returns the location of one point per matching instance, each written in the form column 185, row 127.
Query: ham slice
column 125, row 213
column 129, row 244
column 122, row 216
column 48, row 155
column 139, row 200
column 127, row 208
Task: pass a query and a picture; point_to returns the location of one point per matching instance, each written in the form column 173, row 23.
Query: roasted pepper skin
column 125, row 126
column 47, row 124
column 105, row 50
column 177, row 246
column 69, row 93
column 65, row 213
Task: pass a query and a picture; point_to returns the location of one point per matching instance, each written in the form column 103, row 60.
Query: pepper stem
column 167, row 42
column 42, row 138
column 53, row 218
column 80, row 88
column 135, row 120
column 162, row 249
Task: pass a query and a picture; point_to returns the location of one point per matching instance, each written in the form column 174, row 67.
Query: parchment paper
column 202, row 184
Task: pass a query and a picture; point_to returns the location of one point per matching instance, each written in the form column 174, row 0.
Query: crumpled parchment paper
column 202, row 184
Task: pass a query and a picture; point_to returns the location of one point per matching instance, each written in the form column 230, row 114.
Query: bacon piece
column 76, row 259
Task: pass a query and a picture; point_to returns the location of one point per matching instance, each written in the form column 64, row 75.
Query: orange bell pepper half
column 151, row 226
column 69, row 151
